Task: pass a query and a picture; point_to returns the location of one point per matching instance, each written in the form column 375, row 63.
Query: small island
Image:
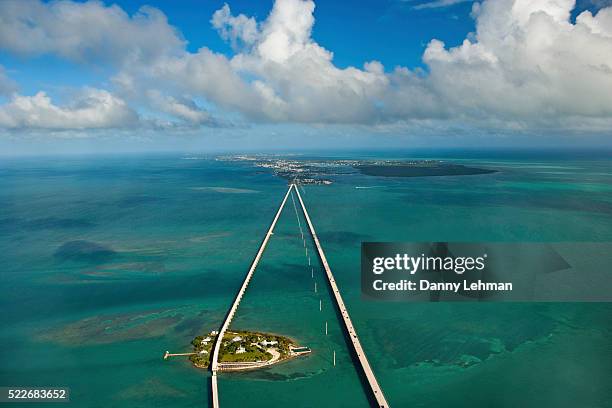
column 243, row 350
column 418, row 168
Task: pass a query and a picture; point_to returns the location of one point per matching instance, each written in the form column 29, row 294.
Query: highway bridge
column 374, row 387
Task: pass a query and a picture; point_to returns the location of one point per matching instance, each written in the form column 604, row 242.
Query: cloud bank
column 527, row 66
column 93, row 109
column 87, row 32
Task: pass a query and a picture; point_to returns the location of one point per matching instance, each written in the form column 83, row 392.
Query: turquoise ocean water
column 163, row 243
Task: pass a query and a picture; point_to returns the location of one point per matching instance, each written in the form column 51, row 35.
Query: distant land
column 420, row 169
column 322, row 171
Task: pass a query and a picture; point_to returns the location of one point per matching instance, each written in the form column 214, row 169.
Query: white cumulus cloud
column 183, row 108
column 93, row 109
column 527, row 63
column 238, row 30
column 281, row 73
column 87, row 32
column 526, row 66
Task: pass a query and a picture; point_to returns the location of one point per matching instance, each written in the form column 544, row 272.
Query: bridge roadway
column 365, row 365
column 232, row 311
column 377, row 392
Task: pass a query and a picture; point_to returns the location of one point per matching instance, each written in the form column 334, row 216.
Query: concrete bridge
column 236, row 303
column 377, row 393
column 375, row 389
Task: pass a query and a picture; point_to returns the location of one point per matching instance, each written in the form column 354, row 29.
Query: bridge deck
column 365, row 365
column 348, row 324
column 237, row 299
column 215, row 390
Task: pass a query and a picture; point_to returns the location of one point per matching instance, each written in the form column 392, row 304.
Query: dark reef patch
column 8, row 225
column 462, row 337
column 191, row 325
column 107, row 329
column 84, row 251
column 268, row 375
column 149, row 389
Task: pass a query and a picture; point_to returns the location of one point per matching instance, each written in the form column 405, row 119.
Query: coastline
column 263, row 364
column 246, row 350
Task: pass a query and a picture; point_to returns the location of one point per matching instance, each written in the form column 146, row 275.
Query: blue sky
column 198, row 75
column 390, row 31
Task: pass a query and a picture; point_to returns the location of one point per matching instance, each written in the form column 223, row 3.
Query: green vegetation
column 252, row 353
column 203, row 346
column 240, row 346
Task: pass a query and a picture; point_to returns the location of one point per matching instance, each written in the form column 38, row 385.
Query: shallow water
column 163, row 244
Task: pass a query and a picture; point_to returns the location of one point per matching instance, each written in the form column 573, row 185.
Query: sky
column 161, row 75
